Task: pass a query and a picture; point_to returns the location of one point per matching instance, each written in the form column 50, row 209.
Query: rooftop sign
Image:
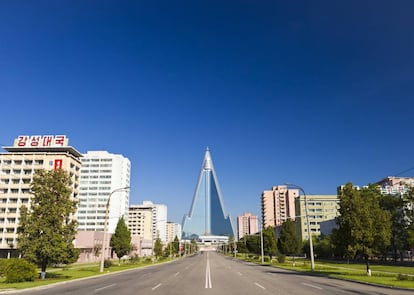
column 41, row 141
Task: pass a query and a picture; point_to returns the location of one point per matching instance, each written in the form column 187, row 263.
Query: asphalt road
column 210, row 273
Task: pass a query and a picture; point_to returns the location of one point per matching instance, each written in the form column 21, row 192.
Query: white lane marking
column 313, row 286
column 155, row 287
column 260, row 286
column 176, row 274
column 186, row 267
column 208, row 275
column 103, row 288
column 239, row 273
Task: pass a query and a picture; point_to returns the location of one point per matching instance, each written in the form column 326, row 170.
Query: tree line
column 369, row 225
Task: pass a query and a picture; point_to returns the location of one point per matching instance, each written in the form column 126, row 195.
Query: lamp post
column 105, row 225
column 308, row 225
column 261, row 243
column 261, row 238
column 153, row 237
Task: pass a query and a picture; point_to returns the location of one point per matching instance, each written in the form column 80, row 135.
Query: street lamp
column 261, row 238
column 105, row 225
column 261, row 242
column 153, row 237
column 308, row 225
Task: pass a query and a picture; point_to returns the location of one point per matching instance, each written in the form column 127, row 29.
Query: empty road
column 209, row 273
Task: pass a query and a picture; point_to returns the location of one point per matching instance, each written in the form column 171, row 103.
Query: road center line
column 176, row 274
column 208, row 275
column 313, row 286
column 103, row 288
column 156, row 287
column 239, row 273
column 260, row 286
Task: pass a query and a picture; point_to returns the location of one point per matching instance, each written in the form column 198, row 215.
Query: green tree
column 176, row 244
column 47, row 229
column 158, row 248
column 364, row 228
column 399, row 235
column 322, row 247
column 194, row 247
column 289, row 242
column 409, row 216
column 253, row 243
column 241, row 245
column 121, row 240
column 269, row 242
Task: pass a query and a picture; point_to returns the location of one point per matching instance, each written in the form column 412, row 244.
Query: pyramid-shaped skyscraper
column 207, row 216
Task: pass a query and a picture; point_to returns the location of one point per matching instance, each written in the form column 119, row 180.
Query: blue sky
column 316, row 93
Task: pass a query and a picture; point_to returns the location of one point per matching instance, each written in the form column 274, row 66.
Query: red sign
column 41, row 141
column 58, row 164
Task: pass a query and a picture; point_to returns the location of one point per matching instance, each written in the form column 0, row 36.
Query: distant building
column 321, row 208
column 102, row 173
column 17, row 167
column 393, row 185
column 247, row 224
column 148, row 220
column 173, row 230
column 278, row 205
column 207, row 216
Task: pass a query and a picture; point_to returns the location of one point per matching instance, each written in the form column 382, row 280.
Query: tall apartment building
column 278, row 205
column 17, row 167
column 321, row 209
column 173, row 230
column 142, row 224
column 247, row 224
column 101, row 174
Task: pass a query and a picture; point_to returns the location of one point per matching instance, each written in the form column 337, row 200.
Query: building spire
column 207, row 163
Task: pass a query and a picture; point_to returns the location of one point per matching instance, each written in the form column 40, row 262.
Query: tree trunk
column 368, row 268
column 43, row 270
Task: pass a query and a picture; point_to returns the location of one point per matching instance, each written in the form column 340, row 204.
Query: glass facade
column 207, row 216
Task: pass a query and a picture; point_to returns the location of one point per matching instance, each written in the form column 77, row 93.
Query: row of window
column 95, row 176
column 92, row 212
column 95, row 182
column 96, row 160
column 95, row 217
column 20, row 162
column 97, row 171
column 95, row 188
column 7, row 220
column 16, row 191
column 96, row 165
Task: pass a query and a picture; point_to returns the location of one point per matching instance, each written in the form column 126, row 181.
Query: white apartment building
column 173, row 230
column 139, row 222
column 17, row 167
column 101, row 174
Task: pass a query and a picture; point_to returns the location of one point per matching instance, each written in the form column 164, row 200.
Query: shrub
column 107, row 263
column 20, row 271
column 403, row 277
column 281, row 258
column 4, row 263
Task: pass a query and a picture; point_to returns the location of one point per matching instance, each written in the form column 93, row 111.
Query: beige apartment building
column 27, row 155
column 173, row 230
column 247, row 224
column 321, row 209
column 278, row 205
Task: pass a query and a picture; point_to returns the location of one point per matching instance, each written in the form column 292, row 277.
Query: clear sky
column 316, row 93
